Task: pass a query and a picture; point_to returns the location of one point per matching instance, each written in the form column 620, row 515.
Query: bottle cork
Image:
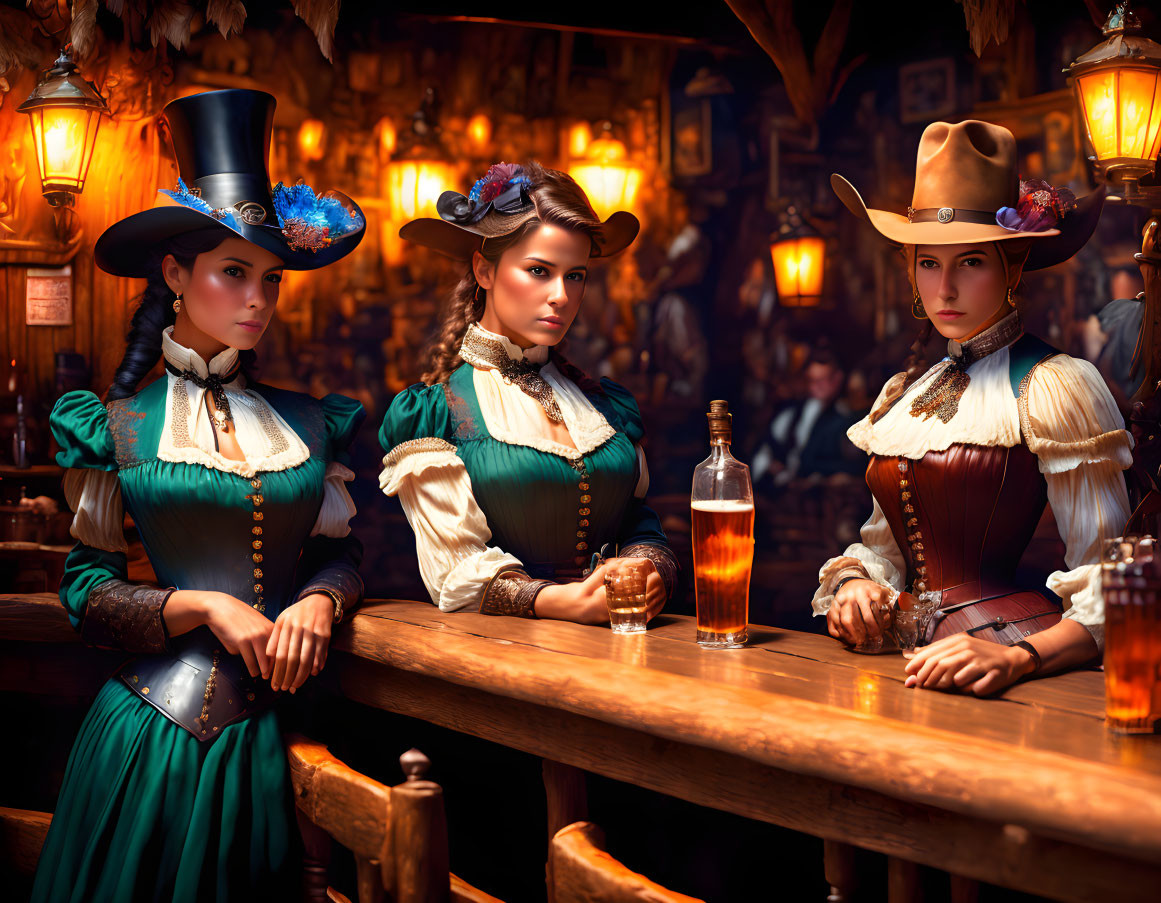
column 720, row 422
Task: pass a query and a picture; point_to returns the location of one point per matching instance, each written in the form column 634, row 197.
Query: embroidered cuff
column 343, row 585
column 838, row 569
column 512, row 592
column 126, row 616
column 663, row 559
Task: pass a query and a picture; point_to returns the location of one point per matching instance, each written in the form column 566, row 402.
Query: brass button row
column 915, row 536
column 256, row 499
column 583, row 512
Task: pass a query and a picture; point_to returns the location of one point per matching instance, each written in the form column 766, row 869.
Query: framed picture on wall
column 927, row 90
column 48, row 297
column 693, row 139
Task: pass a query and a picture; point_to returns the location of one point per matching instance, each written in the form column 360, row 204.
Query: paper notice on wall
column 49, row 297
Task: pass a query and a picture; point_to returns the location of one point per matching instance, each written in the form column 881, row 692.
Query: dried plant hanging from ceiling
column 146, row 22
column 988, row 20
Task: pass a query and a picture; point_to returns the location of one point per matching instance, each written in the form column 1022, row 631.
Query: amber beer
column 1132, row 594
column 723, row 554
column 722, row 506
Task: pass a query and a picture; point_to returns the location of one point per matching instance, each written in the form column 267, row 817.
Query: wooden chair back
column 22, row 833
column 398, row 835
column 581, row 871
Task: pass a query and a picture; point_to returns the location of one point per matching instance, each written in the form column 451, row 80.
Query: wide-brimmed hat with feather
column 967, row 190
column 499, row 204
column 222, row 141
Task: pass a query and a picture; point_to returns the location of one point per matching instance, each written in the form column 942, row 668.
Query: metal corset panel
column 200, row 687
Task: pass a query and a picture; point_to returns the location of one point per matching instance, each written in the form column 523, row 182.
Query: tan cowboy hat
column 966, row 185
column 499, row 204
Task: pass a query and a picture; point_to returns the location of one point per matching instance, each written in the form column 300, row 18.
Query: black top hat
column 222, row 141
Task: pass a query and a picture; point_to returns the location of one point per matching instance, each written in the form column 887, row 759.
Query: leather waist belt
column 201, row 687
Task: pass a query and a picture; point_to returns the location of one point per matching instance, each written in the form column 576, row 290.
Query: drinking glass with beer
column 625, row 580
column 722, row 506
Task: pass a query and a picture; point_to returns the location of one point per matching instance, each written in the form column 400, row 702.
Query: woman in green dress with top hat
column 177, row 787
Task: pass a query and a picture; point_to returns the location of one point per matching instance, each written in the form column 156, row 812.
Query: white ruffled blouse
column 1066, row 417
column 187, row 436
column 452, row 537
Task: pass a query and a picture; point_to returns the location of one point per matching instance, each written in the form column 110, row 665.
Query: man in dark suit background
column 808, row 437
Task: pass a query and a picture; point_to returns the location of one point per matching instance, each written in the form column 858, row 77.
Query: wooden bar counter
column 1027, row 790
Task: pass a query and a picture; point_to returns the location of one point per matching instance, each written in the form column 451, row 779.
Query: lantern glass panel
column 413, row 187
column 1098, row 97
column 64, row 138
column 1140, row 113
column 798, row 270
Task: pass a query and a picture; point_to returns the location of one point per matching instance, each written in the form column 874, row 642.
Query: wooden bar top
column 1037, row 758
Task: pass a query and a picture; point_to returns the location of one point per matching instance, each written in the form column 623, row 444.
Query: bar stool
column 581, row 871
column 398, row 835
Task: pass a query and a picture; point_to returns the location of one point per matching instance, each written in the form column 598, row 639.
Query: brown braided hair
column 559, row 201
column 1012, row 252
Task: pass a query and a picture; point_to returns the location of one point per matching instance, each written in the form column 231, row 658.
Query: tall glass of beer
column 722, row 506
column 1131, row 585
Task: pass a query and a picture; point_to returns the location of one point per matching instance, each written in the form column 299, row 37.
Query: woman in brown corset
column 965, row 456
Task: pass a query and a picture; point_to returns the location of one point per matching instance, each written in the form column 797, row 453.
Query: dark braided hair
column 559, row 201
column 155, row 312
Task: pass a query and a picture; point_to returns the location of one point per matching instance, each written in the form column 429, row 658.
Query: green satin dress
column 534, row 501
column 147, row 812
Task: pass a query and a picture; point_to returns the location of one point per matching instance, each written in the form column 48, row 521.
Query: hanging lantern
column 480, row 132
column 799, row 257
column 606, row 175
column 1118, row 91
column 312, row 139
column 420, row 169
column 64, row 112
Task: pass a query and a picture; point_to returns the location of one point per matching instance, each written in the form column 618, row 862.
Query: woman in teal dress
column 518, row 472
column 177, row 787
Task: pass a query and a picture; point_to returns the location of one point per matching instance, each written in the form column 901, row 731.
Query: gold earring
column 917, row 310
column 1011, row 300
column 177, row 304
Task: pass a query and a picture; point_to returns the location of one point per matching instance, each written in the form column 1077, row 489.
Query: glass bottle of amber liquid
column 722, row 505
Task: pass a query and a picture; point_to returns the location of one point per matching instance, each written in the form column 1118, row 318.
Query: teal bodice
column 203, row 528
column 550, row 512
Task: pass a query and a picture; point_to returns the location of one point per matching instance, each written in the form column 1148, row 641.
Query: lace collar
column 487, row 350
column 182, row 358
column 997, row 336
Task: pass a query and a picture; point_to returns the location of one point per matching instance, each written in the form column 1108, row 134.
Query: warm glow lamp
column 65, row 112
column 480, row 132
column 1118, row 92
column 799, row 257
column 606, row 175
column 312, row 137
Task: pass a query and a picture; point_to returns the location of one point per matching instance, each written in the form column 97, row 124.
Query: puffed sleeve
column 640, row 534
column 330, row 558
column 876, row 558
column 343, row 416
column 108, row 611
column 80, row 424
column 421, row 467
column 1071, row 423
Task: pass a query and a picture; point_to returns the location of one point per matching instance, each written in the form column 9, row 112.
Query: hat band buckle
column 950, row 214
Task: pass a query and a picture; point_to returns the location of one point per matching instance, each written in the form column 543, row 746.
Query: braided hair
column 155, row 312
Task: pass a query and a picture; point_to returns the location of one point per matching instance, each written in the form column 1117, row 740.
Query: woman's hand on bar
column 852, row 613
column 582, row 602
column 299, row 641
column 970, row 665
column 655, row 597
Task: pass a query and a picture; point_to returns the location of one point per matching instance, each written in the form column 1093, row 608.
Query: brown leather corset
column 963, row 518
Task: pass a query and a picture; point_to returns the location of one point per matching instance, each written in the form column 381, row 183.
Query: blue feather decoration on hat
column 309, row 221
